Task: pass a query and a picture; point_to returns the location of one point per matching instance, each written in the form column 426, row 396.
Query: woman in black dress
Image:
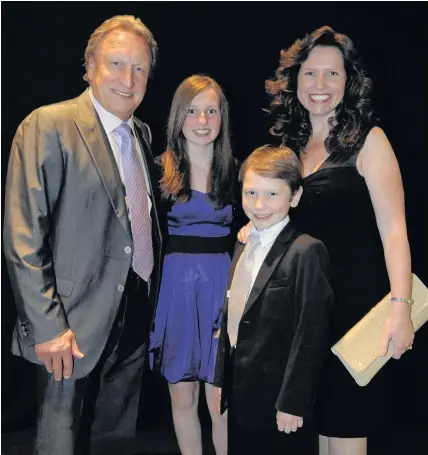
column 353, row 201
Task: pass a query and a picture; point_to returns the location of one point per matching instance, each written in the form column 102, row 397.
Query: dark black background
column 238, row 44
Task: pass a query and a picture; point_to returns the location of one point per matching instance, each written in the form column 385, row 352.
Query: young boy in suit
column 275, row 319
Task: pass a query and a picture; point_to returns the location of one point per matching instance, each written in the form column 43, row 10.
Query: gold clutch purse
column 359, row 348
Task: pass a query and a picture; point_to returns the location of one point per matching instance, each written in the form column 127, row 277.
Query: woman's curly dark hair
column 354, row 113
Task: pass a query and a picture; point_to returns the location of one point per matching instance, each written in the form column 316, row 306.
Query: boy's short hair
column 274, row 163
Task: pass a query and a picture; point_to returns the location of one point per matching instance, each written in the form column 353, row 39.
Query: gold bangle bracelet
column 401, row 299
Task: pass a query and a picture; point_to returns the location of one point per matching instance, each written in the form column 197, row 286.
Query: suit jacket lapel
column 237, row 254
column 239, row 248
column 148, row 163
column 279, row 247
column 92, row 131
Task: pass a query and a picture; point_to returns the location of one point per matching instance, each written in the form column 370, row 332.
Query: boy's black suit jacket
column 283, row 333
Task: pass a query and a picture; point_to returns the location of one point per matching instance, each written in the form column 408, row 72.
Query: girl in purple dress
column 199, row 175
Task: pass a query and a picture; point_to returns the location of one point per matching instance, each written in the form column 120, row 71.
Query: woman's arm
column 379, row 167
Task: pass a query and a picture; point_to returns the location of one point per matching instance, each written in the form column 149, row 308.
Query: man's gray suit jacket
column 67, row 236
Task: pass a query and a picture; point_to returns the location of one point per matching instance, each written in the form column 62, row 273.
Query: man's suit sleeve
column 313, row 299
column 34, row 182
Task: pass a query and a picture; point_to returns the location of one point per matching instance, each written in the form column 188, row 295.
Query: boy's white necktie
column 240, row 288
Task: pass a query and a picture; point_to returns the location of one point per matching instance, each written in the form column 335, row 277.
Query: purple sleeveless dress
column 193, row 286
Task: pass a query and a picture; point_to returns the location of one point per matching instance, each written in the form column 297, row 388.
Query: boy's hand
column 287, row 422
column 244, row 232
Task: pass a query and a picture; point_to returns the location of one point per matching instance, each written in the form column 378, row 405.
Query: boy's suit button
column 269, row 369
column 128, row 250
column 120, row 288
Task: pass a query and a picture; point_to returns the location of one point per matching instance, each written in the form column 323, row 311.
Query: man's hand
column 287, row 422
column 57, row 355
